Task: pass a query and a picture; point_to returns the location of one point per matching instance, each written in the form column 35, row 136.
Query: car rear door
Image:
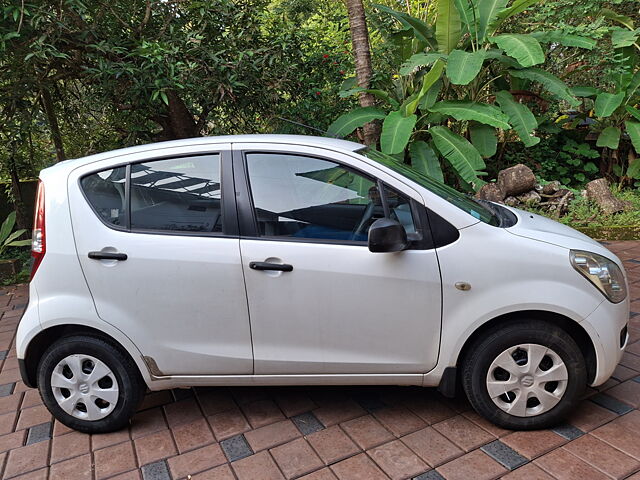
column 325, row 304
column 157, row 240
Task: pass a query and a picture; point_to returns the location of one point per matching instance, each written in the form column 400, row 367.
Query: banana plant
column 452, row 96
column 616, row 112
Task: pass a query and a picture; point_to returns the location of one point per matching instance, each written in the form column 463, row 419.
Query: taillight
column 38, row 238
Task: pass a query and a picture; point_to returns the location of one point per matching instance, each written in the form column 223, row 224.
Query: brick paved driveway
column 325, row 433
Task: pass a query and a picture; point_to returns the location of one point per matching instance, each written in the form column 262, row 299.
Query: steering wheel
column 365, row 222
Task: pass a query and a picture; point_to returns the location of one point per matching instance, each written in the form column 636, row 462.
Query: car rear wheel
column 89, row 385
column 524, row 375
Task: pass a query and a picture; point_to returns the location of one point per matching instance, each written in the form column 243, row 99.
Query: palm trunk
column 362, row 57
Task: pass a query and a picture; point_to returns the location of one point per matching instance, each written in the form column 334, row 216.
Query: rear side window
column 181, row 194
column 173, row 195
column 105, row 192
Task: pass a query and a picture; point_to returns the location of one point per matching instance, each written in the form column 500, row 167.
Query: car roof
column 303, row 140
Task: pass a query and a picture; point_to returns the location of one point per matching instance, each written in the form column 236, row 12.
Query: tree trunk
column 49, row 109
column 362, row 57
column 177, row 122
column 22, row 218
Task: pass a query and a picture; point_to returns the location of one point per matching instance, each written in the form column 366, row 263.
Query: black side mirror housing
column 387, row 235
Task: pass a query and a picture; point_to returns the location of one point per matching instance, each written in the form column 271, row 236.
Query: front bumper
column 605, row 326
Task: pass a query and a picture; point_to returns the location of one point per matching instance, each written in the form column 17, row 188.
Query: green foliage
column 9, row 237
column 449, row 75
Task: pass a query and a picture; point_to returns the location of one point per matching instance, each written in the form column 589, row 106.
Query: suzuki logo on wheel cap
column 84, row 388
column 527, row 381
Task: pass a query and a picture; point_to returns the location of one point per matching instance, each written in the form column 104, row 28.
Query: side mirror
column 386, row 235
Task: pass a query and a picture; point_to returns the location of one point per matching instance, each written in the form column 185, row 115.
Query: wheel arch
column 573, row 328
column 45, row 338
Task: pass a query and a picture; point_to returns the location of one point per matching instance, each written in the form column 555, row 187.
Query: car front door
column 331, row 306
column 157, row 241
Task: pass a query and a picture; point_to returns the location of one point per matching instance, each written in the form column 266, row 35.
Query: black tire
column 486, row 349
column 131, row 387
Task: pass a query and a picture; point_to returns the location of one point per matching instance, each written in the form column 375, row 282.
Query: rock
column 530, row 198
column 490, row 192
column 598, row 191
column 551, row 187
column 516, row 180
column 511, row 201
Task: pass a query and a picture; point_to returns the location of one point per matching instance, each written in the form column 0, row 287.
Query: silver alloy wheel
column 527, row 380
column 84, row 387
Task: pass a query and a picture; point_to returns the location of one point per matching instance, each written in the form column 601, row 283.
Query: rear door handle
column 280, row 267
column 107, row 256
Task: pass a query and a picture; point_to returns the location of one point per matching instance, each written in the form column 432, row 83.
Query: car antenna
column 308, row 126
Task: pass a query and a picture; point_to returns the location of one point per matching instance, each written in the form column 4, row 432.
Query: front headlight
column 602, row 272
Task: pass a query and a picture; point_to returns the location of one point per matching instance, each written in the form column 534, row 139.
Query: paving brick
column 463, row 433
column 564, row 466
column 272, row 435
column 619, row 437
column 359, row 467
column 39, row 433
column 485, row 424
column 399, row 420
column 185, row 411
column 532, row 444
column 603, row 456
column 12, row 440
column 236, row 448
column 68, row 446
column 568, row 431
column 103, row 440
column 370, row 402
column 397, row 461
column 611, row 403
column 338, row 412
column 192, row 435
column 223, row 472
column 430, row 410
column 296, row 458
column 154, row 447
column 75, row 468
column 324, row 474
column 156, row 471
column 432, row 447
column 477, row 465
column 147, row 422
column 6, row 389
column 294, row 403
column 196, row 461
column 332, row 444
column 41, row 474
column 627, row 392
column 262, row 412
column 113, row 460
column 528, row 472
column 26, row 459
column 429, row 475
column 228, row 424
column 504, row 454
column 307, row 423
column 257, row 467
column 33, row 416
column 215, row 400
column 367, row 432
column 588, row 415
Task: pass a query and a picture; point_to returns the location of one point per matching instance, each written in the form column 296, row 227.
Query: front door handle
column 280, row 267
column 107, row 256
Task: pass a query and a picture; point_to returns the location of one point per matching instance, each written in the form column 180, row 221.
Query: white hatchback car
column 294, row 260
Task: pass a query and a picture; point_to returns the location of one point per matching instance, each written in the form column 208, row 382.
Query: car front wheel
column 89, row 385
column 524, row 375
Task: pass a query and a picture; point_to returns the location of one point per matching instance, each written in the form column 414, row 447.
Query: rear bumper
column 606, row 327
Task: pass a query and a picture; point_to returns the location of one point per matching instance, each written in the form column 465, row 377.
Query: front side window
column 304, row 197
column 105, row 191
column 181, row 194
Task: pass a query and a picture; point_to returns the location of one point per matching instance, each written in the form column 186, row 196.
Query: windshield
column 460, row 200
